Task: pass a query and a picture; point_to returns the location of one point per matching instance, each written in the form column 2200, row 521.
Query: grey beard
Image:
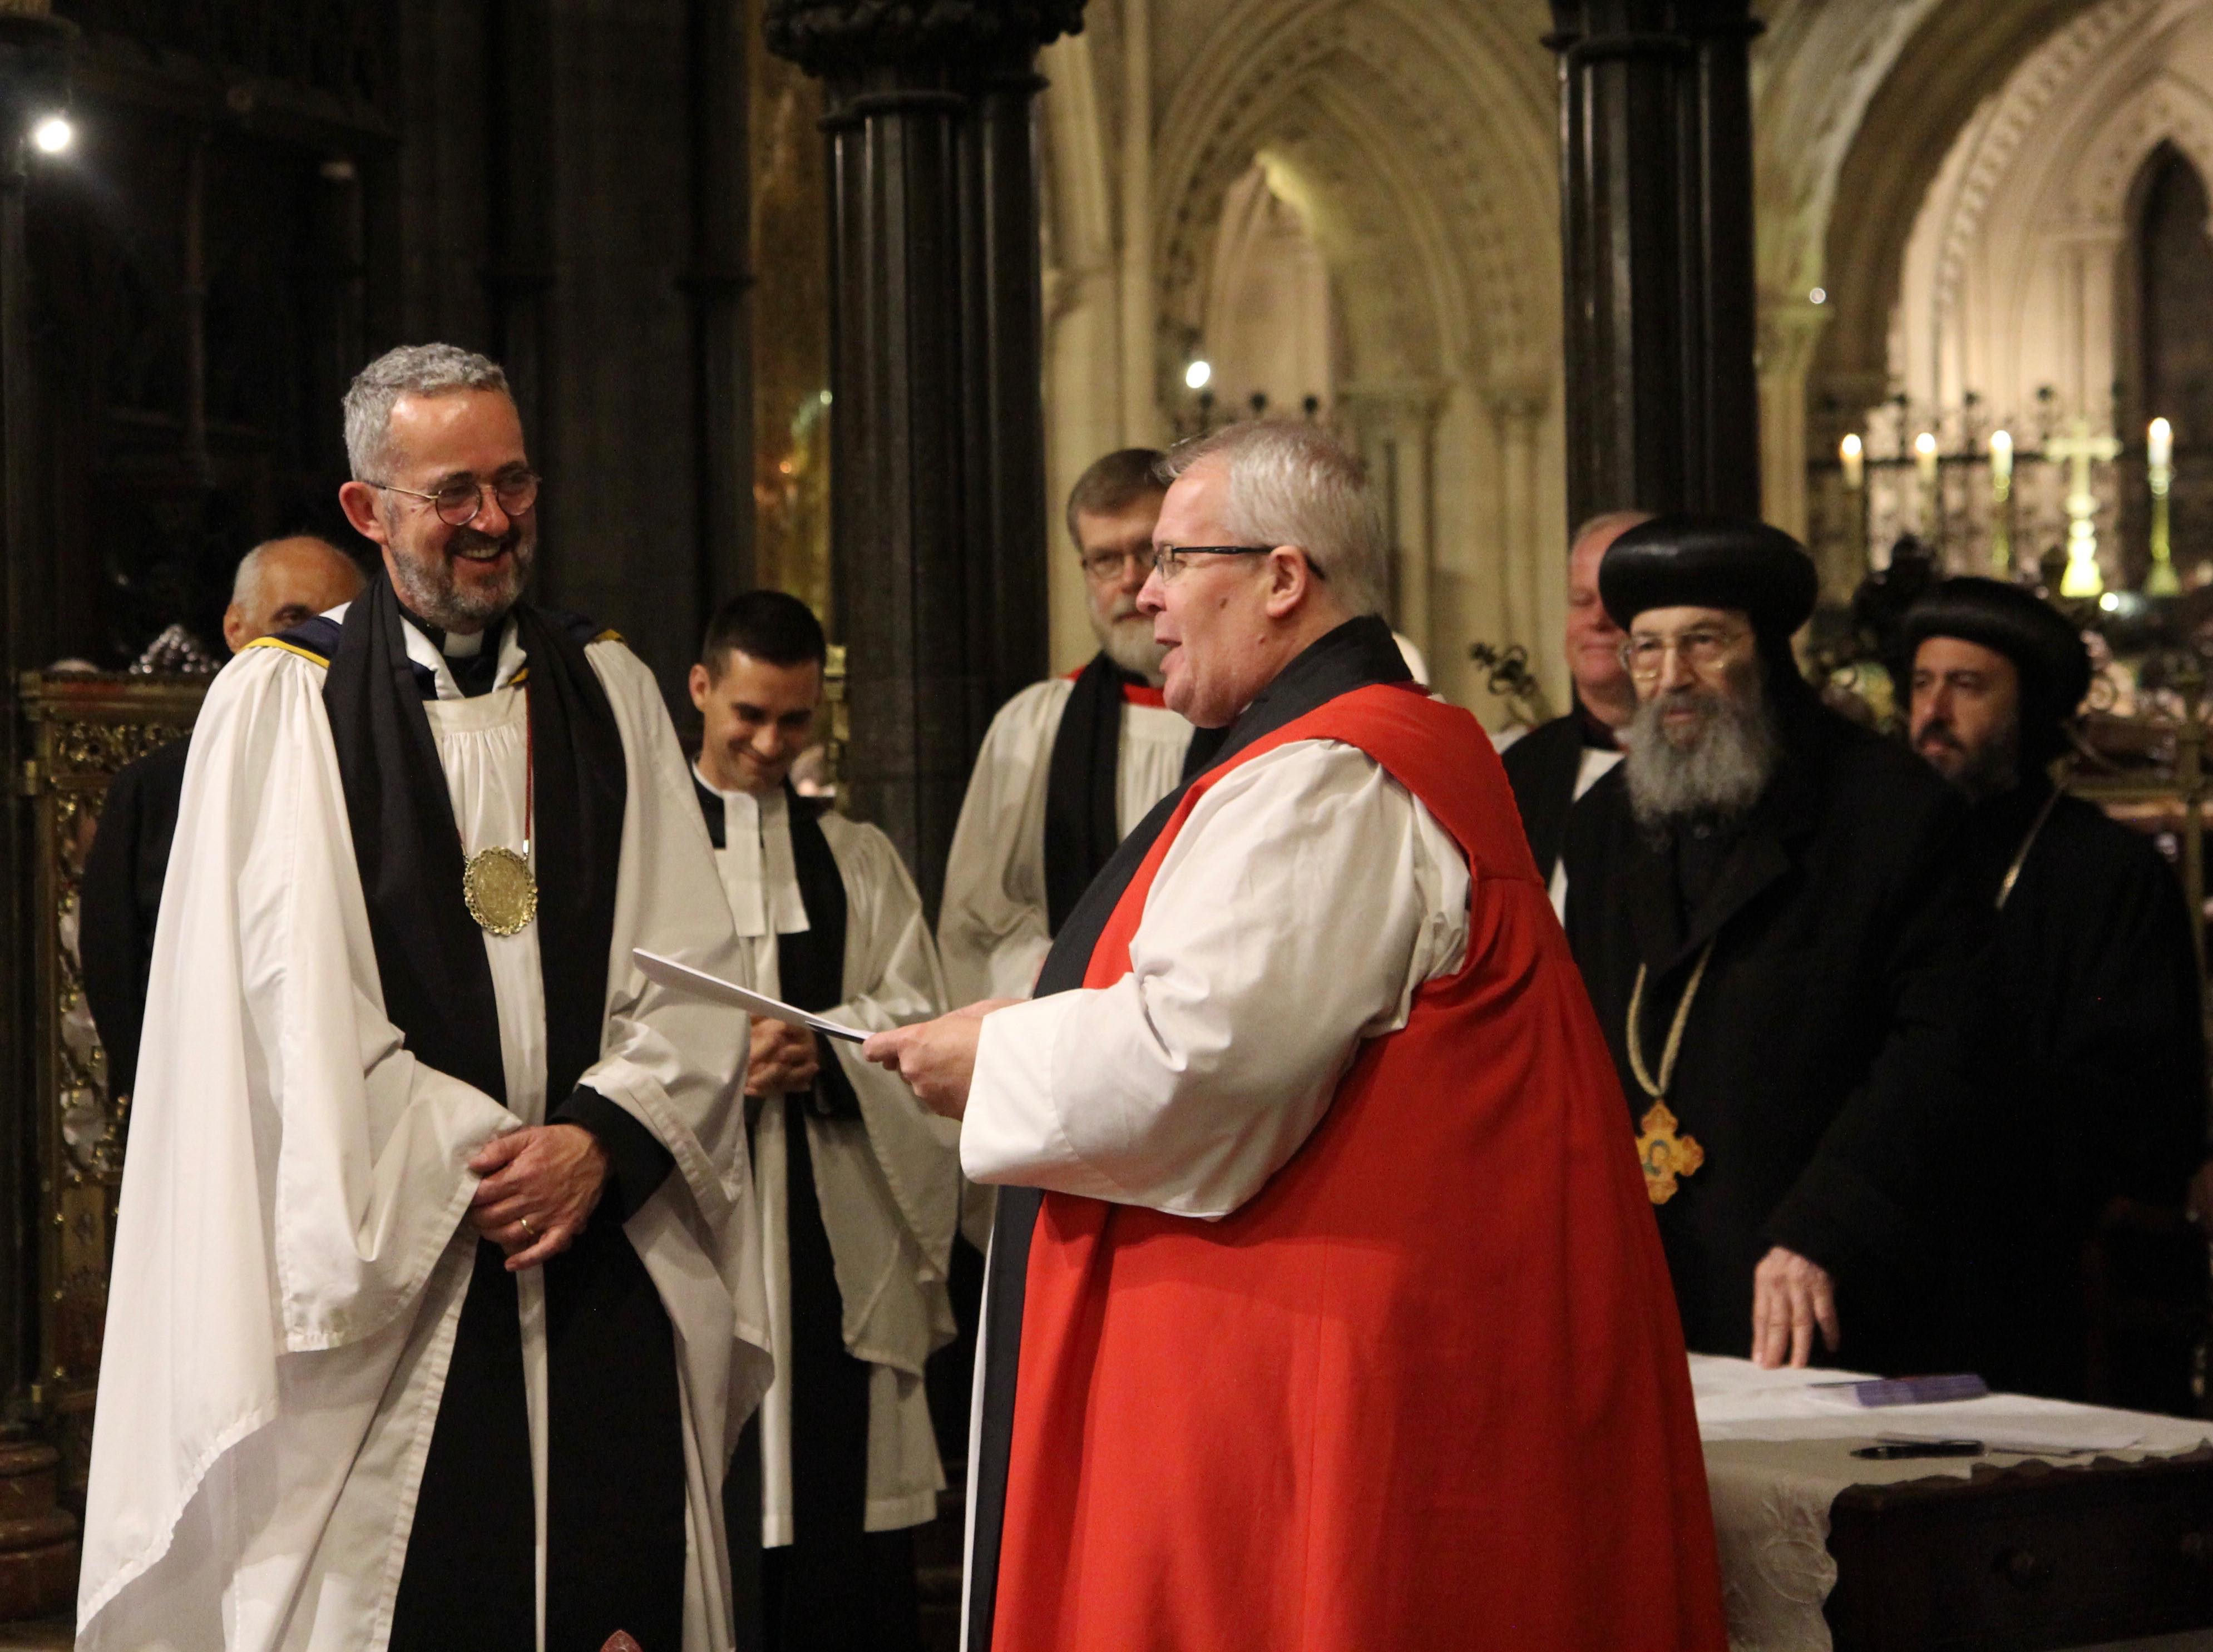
column 1129, row 643
column 429, row 592
column 1719, row 775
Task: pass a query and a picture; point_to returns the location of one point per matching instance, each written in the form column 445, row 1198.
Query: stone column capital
column 834, row 37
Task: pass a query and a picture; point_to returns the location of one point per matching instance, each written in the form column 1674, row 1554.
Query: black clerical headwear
column 1710, row 562
column 2045, row 649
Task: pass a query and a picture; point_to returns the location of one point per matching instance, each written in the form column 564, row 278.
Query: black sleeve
column 1871, row 1191
column 637, row 1162
column 2134, row 1055
column 111, row 951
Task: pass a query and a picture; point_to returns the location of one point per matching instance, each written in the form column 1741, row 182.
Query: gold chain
column 1673, row 1047
column 2021, row 855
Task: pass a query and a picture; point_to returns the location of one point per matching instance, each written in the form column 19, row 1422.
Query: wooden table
column 1822, row 1552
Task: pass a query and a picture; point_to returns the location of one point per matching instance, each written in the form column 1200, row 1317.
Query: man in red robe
column 1325, row 1308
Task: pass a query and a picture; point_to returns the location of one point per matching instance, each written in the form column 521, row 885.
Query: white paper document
column 685, row 978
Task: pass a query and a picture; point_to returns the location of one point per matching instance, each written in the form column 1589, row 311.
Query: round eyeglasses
column 459, row 503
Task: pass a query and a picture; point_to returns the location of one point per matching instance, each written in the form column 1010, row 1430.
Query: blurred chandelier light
column 53, row 134
column 1198, row 374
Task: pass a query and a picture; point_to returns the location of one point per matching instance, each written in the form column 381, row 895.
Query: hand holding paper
column 685, row 978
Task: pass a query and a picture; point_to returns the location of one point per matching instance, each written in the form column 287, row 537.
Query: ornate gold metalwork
column 83, row 728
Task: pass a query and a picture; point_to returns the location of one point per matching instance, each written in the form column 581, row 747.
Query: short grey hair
column 1296, row 485
column 1622, row 520
column 409, row 370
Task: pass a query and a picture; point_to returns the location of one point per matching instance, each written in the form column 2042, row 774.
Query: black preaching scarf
column 470, row 1573
column 1082, row 822
column 1356, row 654
column 810, row 966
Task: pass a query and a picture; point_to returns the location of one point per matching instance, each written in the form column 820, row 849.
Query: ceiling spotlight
column 1198, row 374
column 1818, row 296
column 53, row 134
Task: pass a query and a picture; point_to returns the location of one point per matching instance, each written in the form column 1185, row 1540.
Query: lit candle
column 1925, row 464
column 2000, row 508
column 2159, row 579
column 1853, row 453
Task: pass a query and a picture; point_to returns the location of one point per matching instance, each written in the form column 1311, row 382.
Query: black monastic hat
column 1710, row 562
column 2045, row 649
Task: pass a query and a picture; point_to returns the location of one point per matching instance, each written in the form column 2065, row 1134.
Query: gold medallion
column 500, row 892
column 1665, row 1153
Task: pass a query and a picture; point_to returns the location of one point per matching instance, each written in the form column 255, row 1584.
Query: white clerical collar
column 425, row 653
column 759, row 875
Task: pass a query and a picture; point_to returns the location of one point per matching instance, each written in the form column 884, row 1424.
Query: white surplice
column 889, row 1192
column 291, row 1254
column 992, row 925
column 1305, row 899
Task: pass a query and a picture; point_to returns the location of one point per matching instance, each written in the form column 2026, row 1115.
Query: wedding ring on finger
column 527, row 1228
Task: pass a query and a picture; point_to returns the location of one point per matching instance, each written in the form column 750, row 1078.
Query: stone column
column 717, row 281
column 1789, row 331
column 37, row 1545
column 1655, row 195
column 937, row 481
column 34, row 80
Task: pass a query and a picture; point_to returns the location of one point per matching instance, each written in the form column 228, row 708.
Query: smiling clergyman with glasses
column 1761, row 901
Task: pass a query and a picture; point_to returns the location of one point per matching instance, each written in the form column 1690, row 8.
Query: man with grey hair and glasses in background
column 1069, row 764
column 1763, row 902
column 1307, row 1145
column 437, row 1297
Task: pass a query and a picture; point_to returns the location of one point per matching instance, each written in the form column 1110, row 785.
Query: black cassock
column 1543, row 767
column 122, row 897
column 2093, row 1065
column 1823, row 1065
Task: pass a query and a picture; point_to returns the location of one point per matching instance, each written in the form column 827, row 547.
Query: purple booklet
column 1913, row 1391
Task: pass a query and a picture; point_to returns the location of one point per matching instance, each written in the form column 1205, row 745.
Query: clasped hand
column 782, row 1058
column 540, row 1185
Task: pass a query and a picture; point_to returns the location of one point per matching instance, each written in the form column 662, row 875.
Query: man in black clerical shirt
column 2094, row 1062
column 1763, row 902
column 279, row 583
column 1552, row 766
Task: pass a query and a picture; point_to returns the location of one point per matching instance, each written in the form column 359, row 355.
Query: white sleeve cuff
column 1011, row 1132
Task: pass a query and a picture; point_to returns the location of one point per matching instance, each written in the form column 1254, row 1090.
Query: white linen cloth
column 992, row 925
column 1778, row 1450
column 890, row 1194
column 291, row 1255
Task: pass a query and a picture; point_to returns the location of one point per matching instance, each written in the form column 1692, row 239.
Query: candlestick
column 1853, row 454
column 2001, row 503
column 1924, row 466
column 2158, row 448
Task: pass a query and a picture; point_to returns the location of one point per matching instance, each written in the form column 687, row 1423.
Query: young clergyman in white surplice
column 887, row 1184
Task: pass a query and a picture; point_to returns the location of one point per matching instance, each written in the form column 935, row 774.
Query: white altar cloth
column 1778, row 1450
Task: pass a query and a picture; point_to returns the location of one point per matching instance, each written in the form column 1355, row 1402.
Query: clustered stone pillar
column 1655, row 200
column 937, row 468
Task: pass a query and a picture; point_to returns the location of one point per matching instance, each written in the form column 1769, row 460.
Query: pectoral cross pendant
column 1665, row 1153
